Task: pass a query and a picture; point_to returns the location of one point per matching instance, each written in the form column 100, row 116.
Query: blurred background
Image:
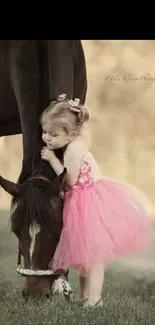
column 121, row 98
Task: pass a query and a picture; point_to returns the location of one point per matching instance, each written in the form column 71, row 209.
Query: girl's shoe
column 86, row 303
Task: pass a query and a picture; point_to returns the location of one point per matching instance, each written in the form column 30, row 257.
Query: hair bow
column 74, row 105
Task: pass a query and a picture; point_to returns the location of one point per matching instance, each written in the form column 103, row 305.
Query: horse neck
column 34, row 166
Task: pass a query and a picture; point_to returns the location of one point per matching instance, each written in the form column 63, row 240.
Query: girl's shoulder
column 72, row 159
column 77, row 147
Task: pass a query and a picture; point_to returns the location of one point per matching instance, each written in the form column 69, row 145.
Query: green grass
column 126, row 301
column 129, row 297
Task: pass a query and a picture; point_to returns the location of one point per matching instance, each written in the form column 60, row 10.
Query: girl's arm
column 49, row 155
column 72, row 160
column 56, row 165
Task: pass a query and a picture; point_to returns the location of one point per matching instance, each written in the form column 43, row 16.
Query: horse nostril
column 47, row 295
column 24, row 294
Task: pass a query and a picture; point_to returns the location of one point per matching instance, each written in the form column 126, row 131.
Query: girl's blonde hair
column 66, row 113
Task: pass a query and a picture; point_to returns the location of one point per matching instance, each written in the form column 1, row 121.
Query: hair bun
column 83, row 115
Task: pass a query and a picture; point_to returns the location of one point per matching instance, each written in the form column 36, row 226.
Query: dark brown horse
column 32, row 73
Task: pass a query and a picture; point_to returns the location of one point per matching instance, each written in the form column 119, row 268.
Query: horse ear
column 59, row 181
column 10, row 187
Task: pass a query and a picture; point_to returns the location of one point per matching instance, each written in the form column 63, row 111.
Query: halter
column 29, row 272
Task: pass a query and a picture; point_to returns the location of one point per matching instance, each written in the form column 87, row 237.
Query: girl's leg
column 84, row 284
column 96, row 279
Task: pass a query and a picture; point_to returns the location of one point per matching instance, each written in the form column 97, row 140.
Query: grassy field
column 129, row 293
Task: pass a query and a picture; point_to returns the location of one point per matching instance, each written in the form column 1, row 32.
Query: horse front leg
column 24, row 75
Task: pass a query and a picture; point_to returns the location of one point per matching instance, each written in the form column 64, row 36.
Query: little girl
column 103, row 219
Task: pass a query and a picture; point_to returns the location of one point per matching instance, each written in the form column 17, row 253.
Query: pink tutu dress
column 102, row 220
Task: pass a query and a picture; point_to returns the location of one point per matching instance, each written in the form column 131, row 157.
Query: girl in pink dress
column 103, row 219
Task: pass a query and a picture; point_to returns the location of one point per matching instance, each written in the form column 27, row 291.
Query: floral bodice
column 85, row 177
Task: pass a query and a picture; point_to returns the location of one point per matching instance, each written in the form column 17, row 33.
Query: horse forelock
column 35, row 206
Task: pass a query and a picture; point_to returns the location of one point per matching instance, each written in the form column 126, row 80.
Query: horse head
column 36, row 220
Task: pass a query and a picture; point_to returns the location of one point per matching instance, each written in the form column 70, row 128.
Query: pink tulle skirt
column 102, row 222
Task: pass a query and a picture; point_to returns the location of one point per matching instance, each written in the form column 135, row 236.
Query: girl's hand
column 47, row 154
